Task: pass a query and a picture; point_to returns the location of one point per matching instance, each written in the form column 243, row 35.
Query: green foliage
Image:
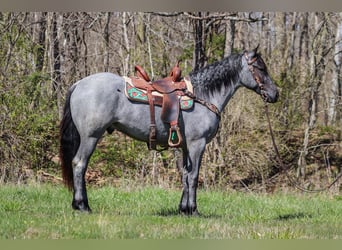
column 117, row 155
column 290, row 108
column 327, row 131
column 216, row 47
column 28, row 132
column 119, row 158
column 187, row 53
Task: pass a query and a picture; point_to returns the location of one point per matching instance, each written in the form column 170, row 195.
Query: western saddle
column 166, row 93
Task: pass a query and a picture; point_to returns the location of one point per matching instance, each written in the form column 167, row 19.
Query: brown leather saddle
column 167, row 93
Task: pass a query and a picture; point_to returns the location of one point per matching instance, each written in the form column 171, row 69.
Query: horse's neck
column 215, row 88
column 221, row 98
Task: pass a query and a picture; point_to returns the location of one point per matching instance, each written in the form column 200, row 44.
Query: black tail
column 69, row 142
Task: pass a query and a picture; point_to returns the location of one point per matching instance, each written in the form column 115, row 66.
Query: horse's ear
column 256, row 49
column 253, row 54
column 250, row 55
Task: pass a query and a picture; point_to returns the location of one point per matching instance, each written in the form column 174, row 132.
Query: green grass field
column 44, row 212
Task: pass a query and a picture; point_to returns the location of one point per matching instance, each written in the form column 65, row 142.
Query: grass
column 44, row 212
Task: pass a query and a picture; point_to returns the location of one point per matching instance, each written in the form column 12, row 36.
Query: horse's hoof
column 195, row 213
column 81, row 206
column 188, row 212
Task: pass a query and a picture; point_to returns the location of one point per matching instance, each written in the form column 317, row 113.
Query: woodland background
column 43, row 53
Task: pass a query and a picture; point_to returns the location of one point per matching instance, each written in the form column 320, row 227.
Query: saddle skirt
column 134, row 93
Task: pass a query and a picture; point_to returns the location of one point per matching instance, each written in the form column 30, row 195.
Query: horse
column 97, row 103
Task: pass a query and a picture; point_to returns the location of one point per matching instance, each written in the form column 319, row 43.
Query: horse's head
column 255, row 76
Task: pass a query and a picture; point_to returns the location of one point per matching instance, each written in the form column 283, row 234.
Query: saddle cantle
column 169, row 93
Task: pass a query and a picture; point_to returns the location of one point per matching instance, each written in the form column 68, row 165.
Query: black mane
column 211, row 78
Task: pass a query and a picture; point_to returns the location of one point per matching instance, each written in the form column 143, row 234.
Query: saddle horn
column 176, row 72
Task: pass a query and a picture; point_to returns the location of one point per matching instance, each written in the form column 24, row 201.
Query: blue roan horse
column 97, row 104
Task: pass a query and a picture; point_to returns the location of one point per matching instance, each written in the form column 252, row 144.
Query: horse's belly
column 134, row 120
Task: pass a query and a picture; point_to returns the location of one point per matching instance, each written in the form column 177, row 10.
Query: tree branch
column 226, row 16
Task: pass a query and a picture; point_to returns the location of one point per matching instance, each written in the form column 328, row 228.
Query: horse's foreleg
column 192, row 161
column 80, row 198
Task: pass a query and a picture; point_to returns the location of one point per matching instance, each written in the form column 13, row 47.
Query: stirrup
column 175, row 137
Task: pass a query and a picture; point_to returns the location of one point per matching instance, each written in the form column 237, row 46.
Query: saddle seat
column 166, row 85
column 169, row 93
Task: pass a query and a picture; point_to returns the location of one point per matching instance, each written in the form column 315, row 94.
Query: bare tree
column 334, row 113
column 38, row 35
column 54, row 21
column 106, row 35
column 318, row 61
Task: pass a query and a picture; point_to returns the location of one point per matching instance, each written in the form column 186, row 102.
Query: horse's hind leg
column 80, row 198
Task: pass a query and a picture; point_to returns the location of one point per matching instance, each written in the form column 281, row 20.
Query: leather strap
column 153, row 133
column 178, row 89
column 210, row 106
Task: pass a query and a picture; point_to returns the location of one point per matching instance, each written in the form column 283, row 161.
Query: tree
column 334, row 113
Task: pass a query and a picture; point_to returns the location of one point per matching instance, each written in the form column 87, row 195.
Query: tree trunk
column 55, row 60
column 148, row 34
column 304, row 47
column 317, row 69
column 106, row 35
column 199, row 39
column 39, row 38
column 335, row 95
column 126, row 45
column 229, row 37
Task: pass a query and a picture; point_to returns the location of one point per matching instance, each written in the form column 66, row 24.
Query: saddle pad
column 140, row 95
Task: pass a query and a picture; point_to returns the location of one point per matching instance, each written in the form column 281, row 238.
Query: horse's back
column 99, row 80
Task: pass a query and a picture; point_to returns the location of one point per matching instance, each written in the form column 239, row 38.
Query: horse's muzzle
column 270, row 97
column 269, row 91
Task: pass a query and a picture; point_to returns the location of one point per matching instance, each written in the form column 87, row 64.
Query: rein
column 281, row 163
column 282, row 167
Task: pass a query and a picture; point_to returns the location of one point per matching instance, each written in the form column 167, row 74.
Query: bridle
column 256, row 75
